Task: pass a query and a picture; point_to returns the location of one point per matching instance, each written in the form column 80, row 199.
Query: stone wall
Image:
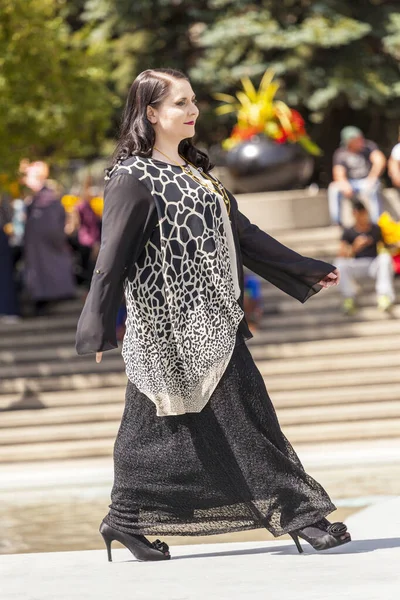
column 301, row 209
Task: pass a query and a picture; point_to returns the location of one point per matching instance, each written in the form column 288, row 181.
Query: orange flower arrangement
column 259, row 113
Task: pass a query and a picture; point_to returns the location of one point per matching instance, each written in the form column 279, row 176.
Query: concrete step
column 56, row 383
column 68, row 313
column 49, row 451
column 350, row 458
column 61, row 344
column 329, row 378
column 86, row 378
column 274, row 359
column 43, row 354
column 61, row 399
column 60, row 348
column 59, row 330
column 14, row 422
column 315, row 396
column 275, row 330
column 328, row 348
column 300, row 320
column 333, row 380
column 59, row 433
column 60, row 322
column 326, row 302
column 74, row 365
column 325, row 396
column 340, row 413
column 326, row 364
column 316, row 235
column 84, row 442
column 10, row 339
column 342, row 330
column 326, row 251
column 366, row 294
column 40, row 356
column 325, row 432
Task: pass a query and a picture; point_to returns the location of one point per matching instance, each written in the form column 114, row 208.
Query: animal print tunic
column 181, row 295
column 168, row 242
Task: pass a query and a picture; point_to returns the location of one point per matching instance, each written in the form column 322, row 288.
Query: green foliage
column 66, row 65
column 328, row 52
column 317, row 46
column 54, row 99
column 146, row 34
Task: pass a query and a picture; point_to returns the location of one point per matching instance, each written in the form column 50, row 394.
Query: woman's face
column 175, row 118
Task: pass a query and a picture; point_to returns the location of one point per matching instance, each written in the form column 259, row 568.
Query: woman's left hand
column 331, row 279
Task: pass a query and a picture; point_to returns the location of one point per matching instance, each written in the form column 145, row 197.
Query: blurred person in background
column 47, row 261
column 16, row 240
column 357, row 167
column 252, row 301
column 394, row 166
column 362, row 254
column 18, row 228
column 87, row 226
column 8, row 297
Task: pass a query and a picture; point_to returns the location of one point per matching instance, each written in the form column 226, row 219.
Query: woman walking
column 199, row 450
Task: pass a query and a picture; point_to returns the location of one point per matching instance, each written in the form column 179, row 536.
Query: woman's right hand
column 99, row 356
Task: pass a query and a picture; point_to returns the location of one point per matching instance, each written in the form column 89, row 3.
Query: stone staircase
column 333, row 379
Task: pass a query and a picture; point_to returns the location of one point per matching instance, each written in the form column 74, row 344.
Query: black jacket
column 130, row 220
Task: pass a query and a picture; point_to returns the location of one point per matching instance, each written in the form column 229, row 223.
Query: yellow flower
column 259, row 109
column 390, row 229
column 97, row 205
column 68, row 201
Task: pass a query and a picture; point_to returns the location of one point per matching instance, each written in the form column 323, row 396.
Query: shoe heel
column 108, row 546
column 297, row 542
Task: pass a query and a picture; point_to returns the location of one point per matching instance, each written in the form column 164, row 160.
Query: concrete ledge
column 294, row 209
column 366, row 569
column 301, row 209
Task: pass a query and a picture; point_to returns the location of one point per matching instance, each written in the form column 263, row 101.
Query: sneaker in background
column 349, row 307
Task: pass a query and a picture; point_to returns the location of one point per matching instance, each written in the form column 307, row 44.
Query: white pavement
column 366, row 569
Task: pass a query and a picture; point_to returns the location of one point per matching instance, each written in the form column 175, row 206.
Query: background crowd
column 47, row 251
column 337, row 64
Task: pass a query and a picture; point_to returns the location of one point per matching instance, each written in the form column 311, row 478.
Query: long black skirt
column 228, row 468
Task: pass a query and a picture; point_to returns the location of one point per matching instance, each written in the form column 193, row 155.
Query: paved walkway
column 366, row 569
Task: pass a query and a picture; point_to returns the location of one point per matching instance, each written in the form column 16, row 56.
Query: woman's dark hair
column 137, row 135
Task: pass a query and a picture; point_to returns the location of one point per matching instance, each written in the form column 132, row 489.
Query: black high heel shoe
column 140, row 546
column 322, row 535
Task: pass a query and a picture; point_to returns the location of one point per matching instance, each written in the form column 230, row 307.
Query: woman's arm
column 291, row 272
column 128, row 219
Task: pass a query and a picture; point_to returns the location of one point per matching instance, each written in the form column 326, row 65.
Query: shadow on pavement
column 355, row 547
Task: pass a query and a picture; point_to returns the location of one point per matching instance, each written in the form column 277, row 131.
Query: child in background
column 252, row 301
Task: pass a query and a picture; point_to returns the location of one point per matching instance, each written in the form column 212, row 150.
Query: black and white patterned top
column 168, row 243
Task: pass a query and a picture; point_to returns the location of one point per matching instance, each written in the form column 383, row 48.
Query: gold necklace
column 217, row 186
